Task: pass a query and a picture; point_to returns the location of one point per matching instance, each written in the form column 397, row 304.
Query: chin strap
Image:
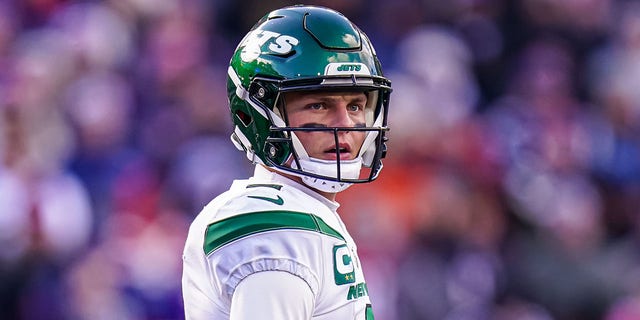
column 349, row 169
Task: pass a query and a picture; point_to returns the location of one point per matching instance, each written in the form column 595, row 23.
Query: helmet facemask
column 330, row 175
column 336, row 175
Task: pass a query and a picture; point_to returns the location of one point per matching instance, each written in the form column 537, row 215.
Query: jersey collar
column 262, row 174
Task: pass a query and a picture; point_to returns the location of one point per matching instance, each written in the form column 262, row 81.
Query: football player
column 309, row 105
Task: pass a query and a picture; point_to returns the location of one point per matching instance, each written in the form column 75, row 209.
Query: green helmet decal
column 302, row 48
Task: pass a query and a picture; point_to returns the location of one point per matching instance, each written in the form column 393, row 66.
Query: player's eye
column 354, row 108
column 315, row 106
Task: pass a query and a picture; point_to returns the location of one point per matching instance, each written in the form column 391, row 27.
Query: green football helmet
column 306, row 48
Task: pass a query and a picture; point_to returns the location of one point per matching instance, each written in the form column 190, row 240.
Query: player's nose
column 342, row 117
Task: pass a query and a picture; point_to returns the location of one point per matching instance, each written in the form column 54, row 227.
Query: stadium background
column 511, row 189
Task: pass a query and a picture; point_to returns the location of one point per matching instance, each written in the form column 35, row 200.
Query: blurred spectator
column 614, row 78
column 452, row 269
column 543, row 127
column 542, row 130
column 45, row 213
column 100, row 106
column 99, row 37
column 433, row 89
column 133, row 273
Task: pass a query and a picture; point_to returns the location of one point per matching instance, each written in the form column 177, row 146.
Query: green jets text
column 357, row 291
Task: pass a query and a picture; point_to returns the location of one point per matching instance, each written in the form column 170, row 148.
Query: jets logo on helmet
column 346, row 68
column 277, row 44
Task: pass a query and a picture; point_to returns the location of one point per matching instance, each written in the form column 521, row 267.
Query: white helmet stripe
column 243, row 94
column 298, row 147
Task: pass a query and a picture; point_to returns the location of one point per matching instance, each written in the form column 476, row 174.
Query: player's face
column 328, row 109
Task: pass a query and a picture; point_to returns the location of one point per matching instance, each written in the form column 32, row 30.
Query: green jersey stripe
column 267, row 185
column 233, row 228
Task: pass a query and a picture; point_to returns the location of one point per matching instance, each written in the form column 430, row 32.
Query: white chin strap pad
column 349, row 169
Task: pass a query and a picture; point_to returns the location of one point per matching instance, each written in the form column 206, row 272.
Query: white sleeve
column 272, row 295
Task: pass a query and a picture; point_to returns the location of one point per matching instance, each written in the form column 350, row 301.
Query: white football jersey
column 265, row 223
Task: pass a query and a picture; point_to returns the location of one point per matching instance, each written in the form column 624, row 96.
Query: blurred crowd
column 511, row 189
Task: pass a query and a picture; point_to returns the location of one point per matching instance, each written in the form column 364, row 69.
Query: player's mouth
column 343, row 151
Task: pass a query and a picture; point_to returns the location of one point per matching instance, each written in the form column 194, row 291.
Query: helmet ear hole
column 273, row 151
column 259, row 91
column 244, row 118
